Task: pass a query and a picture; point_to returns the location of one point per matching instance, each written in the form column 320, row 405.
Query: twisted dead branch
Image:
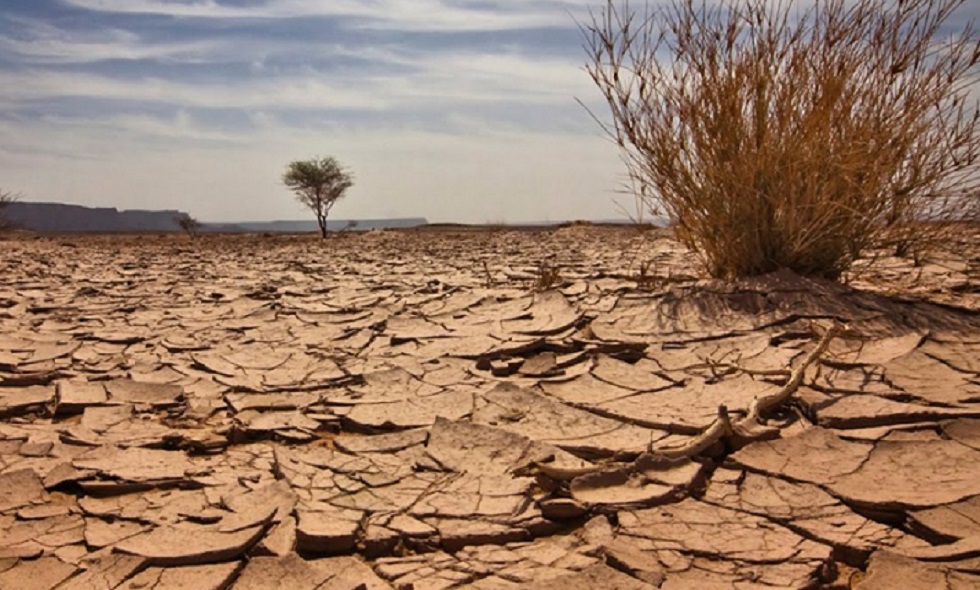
column 722, row 429
column 749, row 427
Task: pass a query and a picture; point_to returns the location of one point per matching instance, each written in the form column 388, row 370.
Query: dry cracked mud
column 426, row 410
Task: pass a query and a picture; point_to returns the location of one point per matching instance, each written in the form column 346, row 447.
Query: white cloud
column 436, row 80
column 140, row 130
column 287, row 93
column 417, row 15
column 42, row 42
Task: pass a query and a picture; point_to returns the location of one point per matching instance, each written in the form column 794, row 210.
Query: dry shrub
column 6, row 198
column 548, row 276
column 779, row 134
column 190, row 225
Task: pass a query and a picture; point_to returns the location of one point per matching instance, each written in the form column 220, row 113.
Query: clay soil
column 480, row 409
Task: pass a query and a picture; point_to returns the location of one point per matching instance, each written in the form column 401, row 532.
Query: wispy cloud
column 43, row 43
column 415, row 15
column 296, row 93
column 238, row 72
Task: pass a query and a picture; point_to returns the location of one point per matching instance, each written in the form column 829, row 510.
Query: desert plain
column 481, row 409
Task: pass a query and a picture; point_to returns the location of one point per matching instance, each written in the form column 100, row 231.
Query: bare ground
column 505, row 409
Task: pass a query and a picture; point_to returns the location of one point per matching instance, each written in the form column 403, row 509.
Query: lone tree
column 794, row 134
column 318, row 184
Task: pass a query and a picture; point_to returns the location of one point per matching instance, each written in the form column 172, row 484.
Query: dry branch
column 722, row 429
column 749, row 427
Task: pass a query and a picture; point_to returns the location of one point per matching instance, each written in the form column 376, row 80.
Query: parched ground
column 480, row 409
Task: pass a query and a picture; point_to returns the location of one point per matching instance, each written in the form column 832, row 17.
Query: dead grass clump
column 646, row 278
column 794, row 135
column 547, row 276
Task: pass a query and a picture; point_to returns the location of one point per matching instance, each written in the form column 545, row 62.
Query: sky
column 452, row 110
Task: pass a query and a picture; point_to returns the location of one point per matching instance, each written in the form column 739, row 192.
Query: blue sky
column 458, row 110
column 455, row 110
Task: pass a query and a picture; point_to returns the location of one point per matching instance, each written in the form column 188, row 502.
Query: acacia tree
column 318, row 184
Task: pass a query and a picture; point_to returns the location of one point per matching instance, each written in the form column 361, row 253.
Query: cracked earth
column 442, row 409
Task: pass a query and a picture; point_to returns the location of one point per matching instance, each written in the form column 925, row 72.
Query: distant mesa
column 59, row 217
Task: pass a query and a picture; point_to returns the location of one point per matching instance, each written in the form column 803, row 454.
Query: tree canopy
column 318, row 183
